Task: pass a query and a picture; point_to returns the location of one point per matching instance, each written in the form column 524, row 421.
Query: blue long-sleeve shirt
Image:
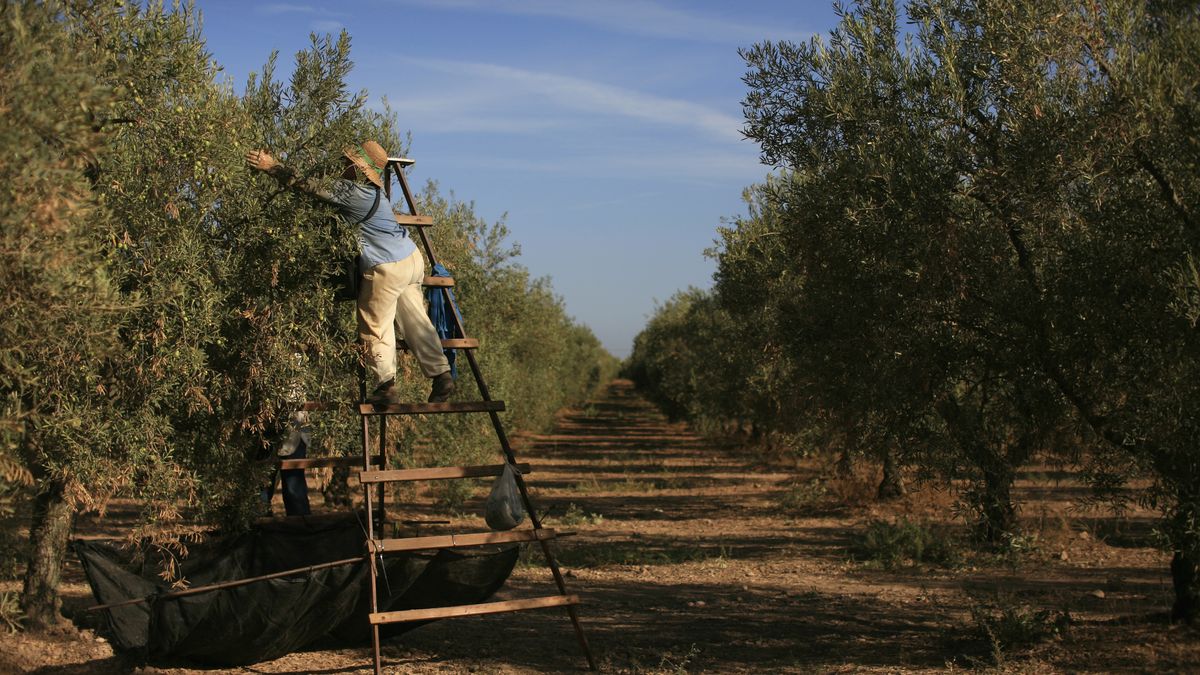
column 380, row 238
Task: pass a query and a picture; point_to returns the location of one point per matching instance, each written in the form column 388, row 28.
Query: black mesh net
column 266, row 619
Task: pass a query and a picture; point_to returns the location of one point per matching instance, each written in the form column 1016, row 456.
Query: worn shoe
column 385, row 394
column 443, row 387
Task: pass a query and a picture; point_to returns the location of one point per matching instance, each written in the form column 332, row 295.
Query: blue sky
column 605, row 133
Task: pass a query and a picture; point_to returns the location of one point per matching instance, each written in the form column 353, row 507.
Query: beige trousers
column 391, row 304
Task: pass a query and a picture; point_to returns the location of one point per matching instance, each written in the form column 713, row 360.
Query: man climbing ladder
column 392, row 269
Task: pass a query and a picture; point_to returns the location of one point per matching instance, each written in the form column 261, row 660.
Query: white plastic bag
column 299, row 432
column 505, row 510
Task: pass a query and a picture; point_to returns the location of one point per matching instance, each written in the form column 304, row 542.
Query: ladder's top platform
column 402, row 161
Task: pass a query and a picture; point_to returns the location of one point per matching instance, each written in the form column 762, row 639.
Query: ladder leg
column 533, row 516
column 375, row 648
column 496, row 425
column 383, row 463
column 562, row 588
column 370, row 517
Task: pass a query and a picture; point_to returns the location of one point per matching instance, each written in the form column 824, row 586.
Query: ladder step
column 454, row 343
column 440, row 282
column 431, row 408
column 315, row 462
column 474, row 610
column 402, row 161
column 413, row 221
column 435, row 473
column 457, row 540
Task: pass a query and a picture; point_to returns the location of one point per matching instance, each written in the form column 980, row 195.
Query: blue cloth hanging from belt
column 439, row 314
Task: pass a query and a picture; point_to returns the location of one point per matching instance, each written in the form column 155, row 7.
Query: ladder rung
column 431, row 408
column 440, row 282
column 457, row 540
column 474, row 610
column 453, row 343
column 314, row 462
column 435, row 473
column 413, row 221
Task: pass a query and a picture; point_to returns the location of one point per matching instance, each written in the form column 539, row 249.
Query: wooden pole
column 370, row 508
column 383, row 465
column 227, row 584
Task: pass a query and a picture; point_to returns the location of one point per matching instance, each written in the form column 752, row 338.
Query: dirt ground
column 694, row 557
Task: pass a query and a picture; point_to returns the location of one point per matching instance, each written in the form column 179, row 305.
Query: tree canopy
column 980, row 245
column 166, row 307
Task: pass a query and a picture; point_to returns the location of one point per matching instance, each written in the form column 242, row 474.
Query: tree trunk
column 991, row 496
column 49, row 531
column 998, row 516
column 337, row 490
column 844, row 468
column 1185, row 573
column 892, row 484
column 1185, row 564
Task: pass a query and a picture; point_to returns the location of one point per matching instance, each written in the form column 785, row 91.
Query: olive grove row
column 162, row 304
column 979, row 248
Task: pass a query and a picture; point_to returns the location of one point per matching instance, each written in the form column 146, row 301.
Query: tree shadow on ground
column 600, row 548
column 1126, row 532
column 664, row 574
column 634, row 625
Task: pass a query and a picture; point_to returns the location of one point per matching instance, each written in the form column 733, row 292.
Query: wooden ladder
column 371, row 477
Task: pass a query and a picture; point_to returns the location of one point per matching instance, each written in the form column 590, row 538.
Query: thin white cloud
column 666, row 164
column 472, row 108
column 490, row 89
column 640, row 17
column 730, row 166
column 327, row 26
column 287, row 8
column 317, row 25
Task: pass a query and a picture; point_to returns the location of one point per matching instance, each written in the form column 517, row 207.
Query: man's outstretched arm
column 263, row 161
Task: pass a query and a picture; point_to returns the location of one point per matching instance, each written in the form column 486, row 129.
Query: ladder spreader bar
column 435, row 473
column 457, row 540
column 474, row 610
column 431, row 408
column 449, row 343
column 410, row 220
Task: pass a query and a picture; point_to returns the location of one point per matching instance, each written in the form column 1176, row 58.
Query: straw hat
column 371, row 158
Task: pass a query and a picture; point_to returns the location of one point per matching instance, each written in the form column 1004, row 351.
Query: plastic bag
column 299, row 433
column 505, row 510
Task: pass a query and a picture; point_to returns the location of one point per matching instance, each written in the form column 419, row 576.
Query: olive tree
column 62, row 309
column 166, row 306
column 157, row 319
column 906, row 315
column 993, row 219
